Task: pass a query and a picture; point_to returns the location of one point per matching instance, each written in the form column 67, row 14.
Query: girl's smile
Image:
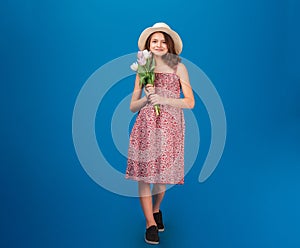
column 158, row 45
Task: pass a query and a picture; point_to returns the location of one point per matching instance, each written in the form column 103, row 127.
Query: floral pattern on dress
column 156, row 144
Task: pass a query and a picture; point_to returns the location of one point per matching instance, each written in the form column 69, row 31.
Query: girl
column 156, row 146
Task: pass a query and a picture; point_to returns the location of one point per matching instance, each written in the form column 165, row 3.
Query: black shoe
column 159, row 221
column 151, row 235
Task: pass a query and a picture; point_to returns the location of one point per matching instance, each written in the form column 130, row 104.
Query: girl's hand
column 149, row 90
column 155, row 99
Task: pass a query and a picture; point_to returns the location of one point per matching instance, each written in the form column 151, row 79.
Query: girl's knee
column 158, row 188
column 143, row 184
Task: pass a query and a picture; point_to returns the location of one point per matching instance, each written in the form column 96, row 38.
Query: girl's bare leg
column 146, row 203
column 158, row 192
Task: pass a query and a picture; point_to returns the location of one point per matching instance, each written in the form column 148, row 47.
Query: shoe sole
column 161, row 230
column 151, row 242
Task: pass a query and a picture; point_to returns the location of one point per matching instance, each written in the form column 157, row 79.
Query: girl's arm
column 187, row 102
column 136, row 101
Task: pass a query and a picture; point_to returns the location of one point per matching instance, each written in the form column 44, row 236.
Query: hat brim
column 148, row 31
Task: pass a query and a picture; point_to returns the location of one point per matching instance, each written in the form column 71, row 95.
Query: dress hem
column 150, row 181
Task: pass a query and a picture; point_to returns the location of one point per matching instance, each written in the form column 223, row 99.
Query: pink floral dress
column 156, row 144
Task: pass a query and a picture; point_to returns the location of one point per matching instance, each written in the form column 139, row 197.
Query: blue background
column 250, row 51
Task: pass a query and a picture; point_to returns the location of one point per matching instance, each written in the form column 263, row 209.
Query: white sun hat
column 160, row 27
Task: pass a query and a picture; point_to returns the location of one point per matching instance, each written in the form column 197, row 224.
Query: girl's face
column 158, row 45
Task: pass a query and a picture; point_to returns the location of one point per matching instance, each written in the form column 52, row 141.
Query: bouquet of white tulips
column 145, row 66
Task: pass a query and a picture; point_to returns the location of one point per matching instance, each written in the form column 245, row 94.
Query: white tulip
column 147, row 54
column 134, row 66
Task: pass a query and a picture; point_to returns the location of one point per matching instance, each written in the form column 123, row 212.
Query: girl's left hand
column 155, row 99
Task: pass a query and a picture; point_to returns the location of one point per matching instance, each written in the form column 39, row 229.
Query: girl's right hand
column 149, row 90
